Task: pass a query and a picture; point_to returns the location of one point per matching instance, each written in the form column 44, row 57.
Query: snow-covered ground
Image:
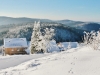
column 11, row 61
column 76, row 61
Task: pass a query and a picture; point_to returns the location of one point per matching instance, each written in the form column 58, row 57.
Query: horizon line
column 47, row 18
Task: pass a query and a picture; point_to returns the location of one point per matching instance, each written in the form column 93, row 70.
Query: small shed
column 15, row 46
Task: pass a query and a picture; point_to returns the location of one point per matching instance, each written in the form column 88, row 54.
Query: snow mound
column 72, row 44
column 53, row 47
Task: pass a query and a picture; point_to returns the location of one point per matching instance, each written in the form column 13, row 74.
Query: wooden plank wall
column 12, row 51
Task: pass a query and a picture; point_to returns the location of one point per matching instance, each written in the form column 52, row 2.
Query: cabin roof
column 15, row 42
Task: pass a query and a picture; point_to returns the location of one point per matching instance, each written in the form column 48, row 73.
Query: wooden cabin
column 15, row 46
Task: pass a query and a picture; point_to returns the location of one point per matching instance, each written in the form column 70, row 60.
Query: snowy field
column 76, row 61
column 11, row 61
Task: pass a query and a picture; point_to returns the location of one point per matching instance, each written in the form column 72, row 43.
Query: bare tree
column 92, row 39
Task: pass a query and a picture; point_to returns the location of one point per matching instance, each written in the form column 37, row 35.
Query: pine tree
column 35, row 38
column 39, row 41
column 49, row 33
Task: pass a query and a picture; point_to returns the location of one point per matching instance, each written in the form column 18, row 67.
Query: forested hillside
column 62, row 33
column 65, row 30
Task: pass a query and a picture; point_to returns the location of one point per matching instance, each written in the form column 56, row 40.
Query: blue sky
column 82, row 10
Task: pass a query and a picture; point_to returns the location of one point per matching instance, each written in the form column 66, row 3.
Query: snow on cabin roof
column 15, row 42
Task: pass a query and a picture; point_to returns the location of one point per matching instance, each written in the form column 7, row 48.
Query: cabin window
column 12, row 50
column 18, row 50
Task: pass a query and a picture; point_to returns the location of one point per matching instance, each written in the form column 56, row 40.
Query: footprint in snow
column 70, row 71
column 75, row 58
column 73, row 63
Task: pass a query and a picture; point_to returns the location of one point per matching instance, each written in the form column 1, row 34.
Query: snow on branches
column 40, row 40
column 92, row 39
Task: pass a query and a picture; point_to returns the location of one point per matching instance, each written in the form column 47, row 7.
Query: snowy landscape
column 76, row 61
column 46, row 56
column 49, row 37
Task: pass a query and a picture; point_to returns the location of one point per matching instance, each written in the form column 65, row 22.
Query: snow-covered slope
column 79, row 61
column 11, row 61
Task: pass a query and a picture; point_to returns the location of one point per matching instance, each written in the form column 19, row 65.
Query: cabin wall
column 12, row 51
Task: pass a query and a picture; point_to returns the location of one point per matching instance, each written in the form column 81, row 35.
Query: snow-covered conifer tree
column 35, row 38
column 49, row 33
column 40, row 41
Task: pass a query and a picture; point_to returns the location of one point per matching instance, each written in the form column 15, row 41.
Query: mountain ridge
column 65, row 29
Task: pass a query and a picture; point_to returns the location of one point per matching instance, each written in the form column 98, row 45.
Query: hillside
column 65, row 30
column 76, row 24
column 70, row 23
column 9, row 20
column 78, row 61
column 25, row 31
column 88, row 26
